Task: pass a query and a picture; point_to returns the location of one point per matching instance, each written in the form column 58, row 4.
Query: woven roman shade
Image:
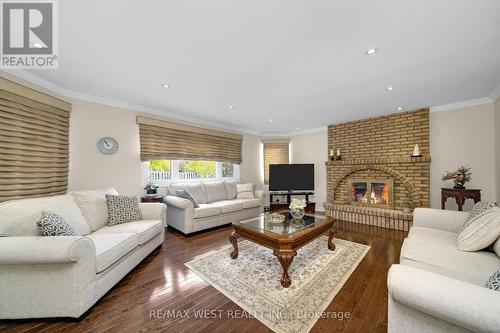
column 163, row 140
column 276, row 151
column 34, row 152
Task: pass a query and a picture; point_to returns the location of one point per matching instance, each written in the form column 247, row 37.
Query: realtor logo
column 29, row 34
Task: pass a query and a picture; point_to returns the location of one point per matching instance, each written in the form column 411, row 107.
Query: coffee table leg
column 285, row 259
column 233, row 238
column 331, row 235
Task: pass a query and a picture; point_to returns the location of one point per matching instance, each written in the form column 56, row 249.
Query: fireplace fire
column 371, row 192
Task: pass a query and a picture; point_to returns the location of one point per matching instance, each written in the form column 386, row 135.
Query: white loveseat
column 218, row 206
column 438, row 288
column 63, row 276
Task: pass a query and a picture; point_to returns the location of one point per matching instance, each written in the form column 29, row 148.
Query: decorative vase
column 406, row 210
column 459, row 187
column 151, row 191
column 297, row 213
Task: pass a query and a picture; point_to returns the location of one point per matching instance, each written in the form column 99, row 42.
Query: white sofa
column 438, row 288
column 63, row 276
column 218, row 206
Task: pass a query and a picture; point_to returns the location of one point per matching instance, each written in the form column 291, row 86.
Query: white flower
column 297, row 204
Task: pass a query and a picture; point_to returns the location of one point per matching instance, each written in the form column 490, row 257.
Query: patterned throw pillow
column 185, row 195
column 478, row 209
column 122, row 209
column 494, row 281
column 52, row 224
column 481, row 232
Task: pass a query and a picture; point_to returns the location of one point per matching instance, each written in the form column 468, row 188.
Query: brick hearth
column 380, row 148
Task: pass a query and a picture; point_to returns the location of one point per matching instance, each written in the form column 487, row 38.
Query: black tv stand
column 273, row 206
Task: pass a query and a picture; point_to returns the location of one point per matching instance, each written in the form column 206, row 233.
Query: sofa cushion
column 145, row 229
column 436, row 251
column 250, row 203
column 228, row 206
column 206, row 210
column 18, row 217
column 231, row 190
column 111, row 247
column 196, row 190
column 482, row 231
column 93, row 206
column 216, row 191
column 122, row 209
column 54, row 225
column 245, row 191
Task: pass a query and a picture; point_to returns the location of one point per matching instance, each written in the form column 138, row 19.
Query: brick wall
column 380, row 147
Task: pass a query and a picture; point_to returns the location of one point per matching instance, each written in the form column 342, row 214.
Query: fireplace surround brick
column 380, row 147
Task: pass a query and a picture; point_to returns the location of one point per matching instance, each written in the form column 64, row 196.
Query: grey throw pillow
column 185, row 195
column 494, row 281
column 52, row 224
column 478, row 209
column 122, row 209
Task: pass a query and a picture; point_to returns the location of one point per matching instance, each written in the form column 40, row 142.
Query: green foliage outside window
column 203, row 169
column 159, row 165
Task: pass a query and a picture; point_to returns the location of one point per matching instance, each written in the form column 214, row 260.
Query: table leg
column 331, row 235
column 233, row 238
column 460, row 202
column 443, row 201
column 285, row 258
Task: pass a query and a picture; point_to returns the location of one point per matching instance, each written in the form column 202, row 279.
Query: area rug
column 253, row 281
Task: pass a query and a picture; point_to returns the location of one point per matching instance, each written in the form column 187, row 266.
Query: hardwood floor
column 162, row 282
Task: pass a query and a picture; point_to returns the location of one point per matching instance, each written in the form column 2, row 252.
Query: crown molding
column 463, row 104
column 49, row 87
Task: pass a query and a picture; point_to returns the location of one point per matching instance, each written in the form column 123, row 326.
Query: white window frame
column 174, row 167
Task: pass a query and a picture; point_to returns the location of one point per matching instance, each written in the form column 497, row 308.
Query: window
column 276, row 151
column 170, row 170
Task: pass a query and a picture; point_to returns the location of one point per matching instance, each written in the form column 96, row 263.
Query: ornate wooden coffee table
column 285, row 238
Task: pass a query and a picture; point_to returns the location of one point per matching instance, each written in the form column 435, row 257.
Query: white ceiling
column 301, row 63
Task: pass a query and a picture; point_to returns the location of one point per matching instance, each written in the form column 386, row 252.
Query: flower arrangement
column 461, row 176
column 151, row 188
column 297, row 208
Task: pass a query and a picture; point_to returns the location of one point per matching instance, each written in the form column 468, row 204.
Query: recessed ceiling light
column 165, row 85
column 390, row 88
column 230, row 107
column 271, row 119
column 298, row 128
column 400, row 108
column 371, row 51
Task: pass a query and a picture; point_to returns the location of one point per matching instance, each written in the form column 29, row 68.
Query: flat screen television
column 291, row 177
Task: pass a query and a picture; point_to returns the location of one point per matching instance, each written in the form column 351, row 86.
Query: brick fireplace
column 376, row 173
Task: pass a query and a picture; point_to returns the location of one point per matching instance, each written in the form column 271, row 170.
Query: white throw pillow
column 231, row 189
column 245, row 191
column 481, row 232
column 93, row 206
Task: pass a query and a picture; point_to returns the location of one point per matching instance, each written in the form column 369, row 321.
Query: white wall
column 89, row 169
column 463, row 136
column 497, row 147
column 313, row 148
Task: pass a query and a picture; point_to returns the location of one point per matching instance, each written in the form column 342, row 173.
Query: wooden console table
column 460, row 196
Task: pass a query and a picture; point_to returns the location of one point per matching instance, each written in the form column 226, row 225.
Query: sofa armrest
column 153, row 211
column 261, row 195
column 467, row 305
column 28, row 250
column 172, row 200
column 446, row 220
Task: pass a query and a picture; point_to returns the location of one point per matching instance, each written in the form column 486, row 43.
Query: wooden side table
column 152, row 198
column 460, row 196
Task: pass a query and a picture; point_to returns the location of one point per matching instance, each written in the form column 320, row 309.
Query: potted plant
column 407, row 206
column 151, row 189
column 460, row 176
column 297, row 208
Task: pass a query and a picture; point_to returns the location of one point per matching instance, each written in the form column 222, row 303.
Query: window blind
column 163, row 140
column 276, row 151
column 34, row 149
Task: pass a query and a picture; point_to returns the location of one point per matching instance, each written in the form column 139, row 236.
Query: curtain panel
column 163, row 140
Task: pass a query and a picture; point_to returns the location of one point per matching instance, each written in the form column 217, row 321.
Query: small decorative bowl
column 274, row 218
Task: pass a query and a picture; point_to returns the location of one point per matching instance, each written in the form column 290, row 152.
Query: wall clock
column 107, row 145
